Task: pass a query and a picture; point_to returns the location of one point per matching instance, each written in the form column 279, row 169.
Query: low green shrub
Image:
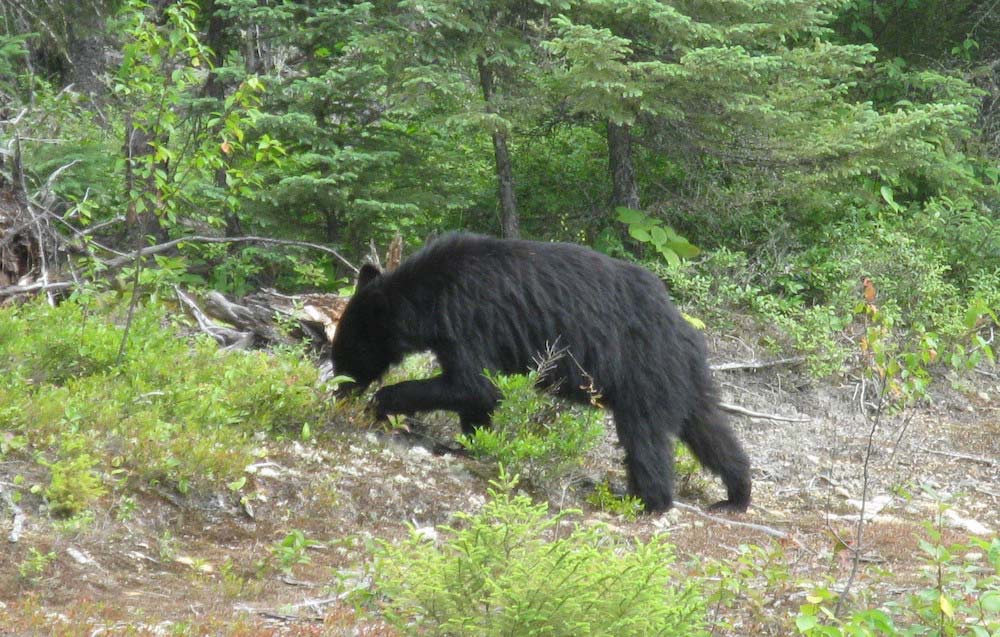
column 724, row 285
column 73, row 481
column 603, row 498
column 532, row 434
column 513, row 569
column 805, row 300
column 959, row 595
column 174, row 409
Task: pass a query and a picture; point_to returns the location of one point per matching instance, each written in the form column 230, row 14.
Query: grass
column 174, row 411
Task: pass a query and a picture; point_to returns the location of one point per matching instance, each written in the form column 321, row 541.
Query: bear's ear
column 367, row 274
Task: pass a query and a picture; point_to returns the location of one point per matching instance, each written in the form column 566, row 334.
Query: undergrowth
column 532, row 434
column 806, row 301
column 174, row 410
column 513, row 569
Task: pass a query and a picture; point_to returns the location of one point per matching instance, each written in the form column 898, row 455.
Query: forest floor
column 161, row 564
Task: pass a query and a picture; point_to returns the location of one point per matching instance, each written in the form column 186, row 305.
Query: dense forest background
column 821, row 141
column 789, row 149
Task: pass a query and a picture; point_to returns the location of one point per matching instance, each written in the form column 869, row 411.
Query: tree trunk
column 624, row 189
column 510, row 226
column 331, row 226
column 89, row 60
column 215, row 40
column 142, row 187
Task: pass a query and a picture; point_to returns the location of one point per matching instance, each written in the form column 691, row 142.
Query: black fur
column 480, row 303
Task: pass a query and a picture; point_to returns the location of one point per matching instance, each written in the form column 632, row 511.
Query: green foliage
column 175, row 410
column 531, row 434
column 930, row 298
column 654, row 233
column 291, row 550
column 163, row 65
column 916, row 30
column 513, row 569
column 35, row 564
column 12, row 50
column 749, row 582
column 804, row 145
column 73, row 483
column 959, row 595
column 724, row 285
column 629, row 507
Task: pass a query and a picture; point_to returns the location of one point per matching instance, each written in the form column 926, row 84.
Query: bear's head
column 363, row 343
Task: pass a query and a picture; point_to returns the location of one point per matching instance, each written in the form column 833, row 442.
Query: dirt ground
column 162, row 564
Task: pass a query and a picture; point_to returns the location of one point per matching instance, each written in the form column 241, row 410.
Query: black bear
column 480, row 303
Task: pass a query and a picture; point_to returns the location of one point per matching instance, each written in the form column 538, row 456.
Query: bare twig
column 130, row 258
column 314, row 604
column 989, row 462
column 18, row 524
column 743, row 411
column 169, row 245
column 755, row 365
column 12, row 290
column 857, row 551
column 761, row 528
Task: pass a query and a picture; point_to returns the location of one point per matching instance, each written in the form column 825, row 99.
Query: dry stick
column 136, row 259
column 989, row 462
column 204, row 323
column 16, row 526
column 163, row 247
column 13, row 290
column 754, row 365
column 766, row 530
column 743, row 411
column 225, row 336
column 21, row 195
column 314, row 604
column 856, row 553
column 12, row 233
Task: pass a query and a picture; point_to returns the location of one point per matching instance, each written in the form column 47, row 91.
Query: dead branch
column 989, row 462
column 18, row 523
column 13, row 290
column 126, row 259
column 394, row 255
column 755, row 365
column 222, row 335
column 743, row 411
column 259, row 320
column 266, row 318
column 313, row 604
column 760, row 528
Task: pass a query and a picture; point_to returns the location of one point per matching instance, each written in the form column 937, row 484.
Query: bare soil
column 163, row 564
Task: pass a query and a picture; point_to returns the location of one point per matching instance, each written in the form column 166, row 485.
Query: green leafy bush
column 726, row 284
column 629, row 506
column 960, row 595
column 652, row 232
column 291, row 551
column 73, row 481
column 173, row 409
column 514, row 570
column 531, row 434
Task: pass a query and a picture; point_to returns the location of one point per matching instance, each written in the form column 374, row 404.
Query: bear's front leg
column 433, row 394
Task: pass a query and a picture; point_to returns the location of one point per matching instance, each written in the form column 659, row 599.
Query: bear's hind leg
column 649, row 460
column 715, row 446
